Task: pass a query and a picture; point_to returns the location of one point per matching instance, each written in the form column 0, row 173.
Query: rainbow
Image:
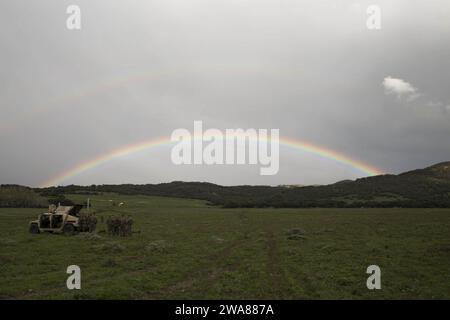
column 160, row 141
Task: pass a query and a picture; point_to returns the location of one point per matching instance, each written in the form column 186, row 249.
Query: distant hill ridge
column 428, row 187
column 439, row 171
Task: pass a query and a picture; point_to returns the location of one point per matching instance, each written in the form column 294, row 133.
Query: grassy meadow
column 184, row 249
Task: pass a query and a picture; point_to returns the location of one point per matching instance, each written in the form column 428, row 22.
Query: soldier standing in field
column 92, row 223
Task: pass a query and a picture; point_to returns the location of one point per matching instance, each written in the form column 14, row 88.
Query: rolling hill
column 428, row 187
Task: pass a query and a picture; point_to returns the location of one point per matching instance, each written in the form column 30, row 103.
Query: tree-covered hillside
column 429, row 187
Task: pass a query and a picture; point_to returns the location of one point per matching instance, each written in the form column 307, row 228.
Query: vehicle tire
column 69, row 229
column 34, row 228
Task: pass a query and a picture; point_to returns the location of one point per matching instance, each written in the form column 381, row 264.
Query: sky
column 140, row 69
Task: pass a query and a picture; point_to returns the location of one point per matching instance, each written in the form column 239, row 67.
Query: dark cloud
column 141, row 69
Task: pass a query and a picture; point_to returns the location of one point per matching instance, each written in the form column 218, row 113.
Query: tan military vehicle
column 61, row 219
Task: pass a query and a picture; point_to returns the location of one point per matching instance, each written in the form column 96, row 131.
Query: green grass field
column 184, row 249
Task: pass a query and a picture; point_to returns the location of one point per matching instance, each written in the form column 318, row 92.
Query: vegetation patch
column 89, row 236
column 296, row 234
column 110, row 247
column 13, row 196
column 162, row 246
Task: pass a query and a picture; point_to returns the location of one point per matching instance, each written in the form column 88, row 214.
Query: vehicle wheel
column 34, row 229
column 69, row 229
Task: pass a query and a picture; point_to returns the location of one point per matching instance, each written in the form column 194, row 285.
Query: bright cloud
column 399, row 87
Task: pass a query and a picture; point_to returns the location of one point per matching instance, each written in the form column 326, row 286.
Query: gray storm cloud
column 138, row 70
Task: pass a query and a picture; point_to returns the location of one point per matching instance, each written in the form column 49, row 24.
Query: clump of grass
column 158, row 246
column 217, row 239
column 295, row 234
column 109, row 263
column 89, row 236
column 110, row 247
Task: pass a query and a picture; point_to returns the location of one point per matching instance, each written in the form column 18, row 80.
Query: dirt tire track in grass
column 209, row 271
column 212, row 269
column 278, row 282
